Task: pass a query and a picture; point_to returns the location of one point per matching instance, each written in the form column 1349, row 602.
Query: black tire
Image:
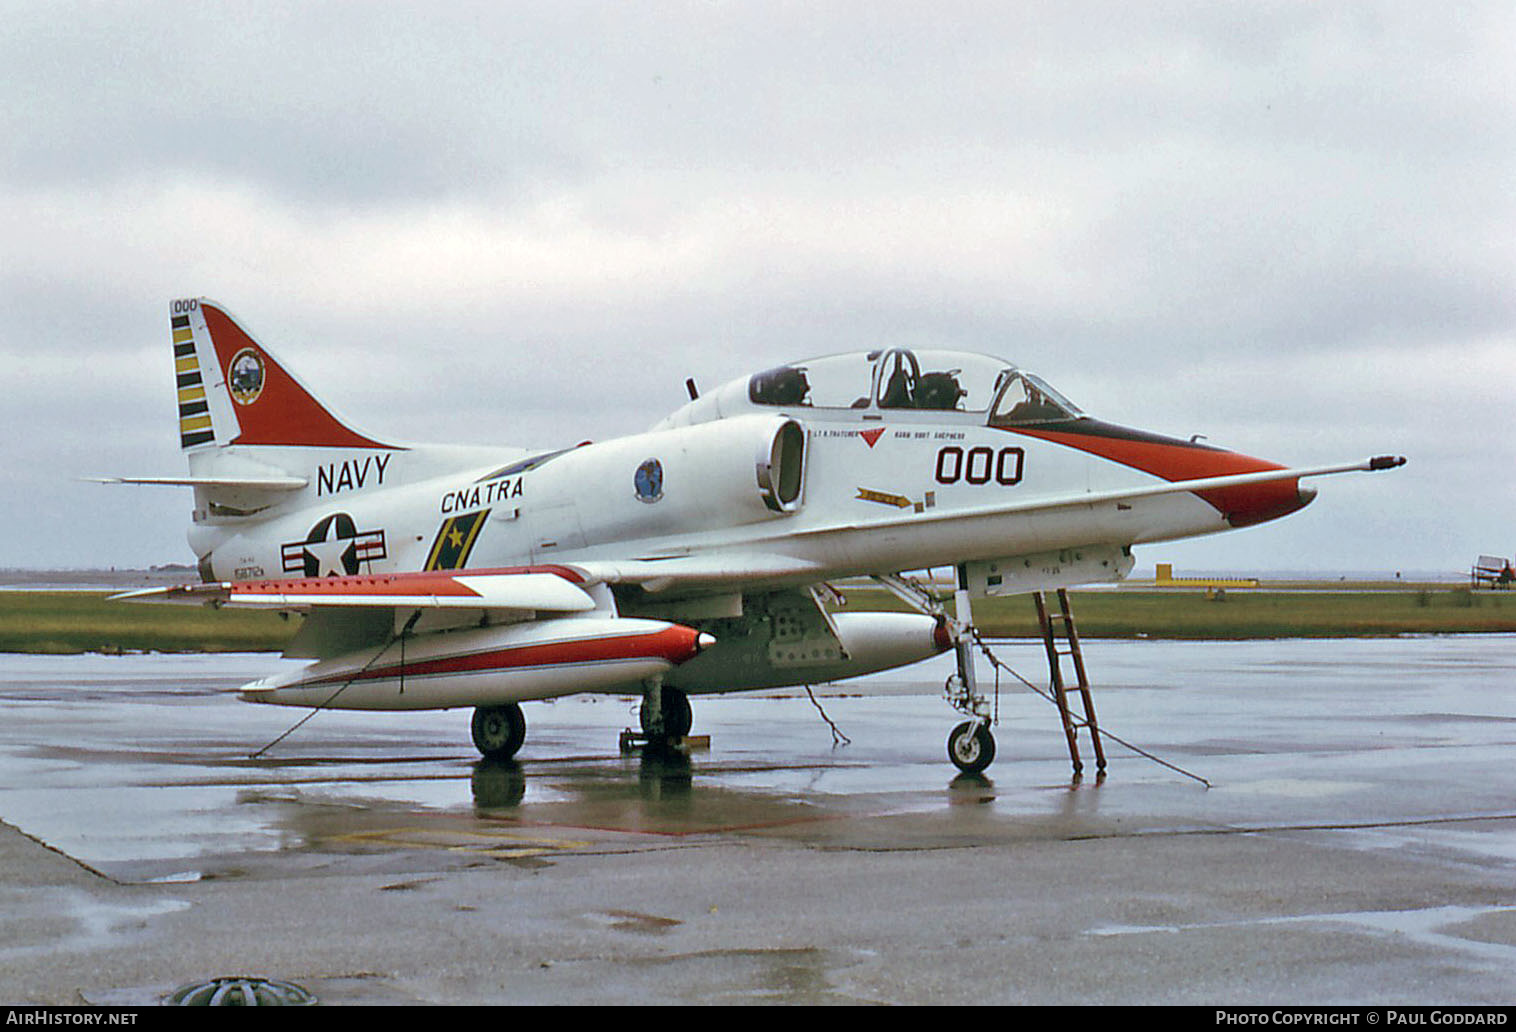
column 678, row 717
column 971, row 747
column 499, row 730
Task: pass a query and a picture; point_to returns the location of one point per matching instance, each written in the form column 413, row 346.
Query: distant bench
column 1165, row 578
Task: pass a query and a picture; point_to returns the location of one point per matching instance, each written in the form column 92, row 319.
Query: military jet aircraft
column 693, row 558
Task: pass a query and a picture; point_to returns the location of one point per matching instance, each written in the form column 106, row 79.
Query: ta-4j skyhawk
column 691, row 559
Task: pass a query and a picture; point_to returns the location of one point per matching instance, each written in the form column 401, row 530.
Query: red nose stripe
column 1175, row 460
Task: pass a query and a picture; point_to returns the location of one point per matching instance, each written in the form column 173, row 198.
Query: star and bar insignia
column 334, row 547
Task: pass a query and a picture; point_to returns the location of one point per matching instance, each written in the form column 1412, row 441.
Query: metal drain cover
column 240, row 992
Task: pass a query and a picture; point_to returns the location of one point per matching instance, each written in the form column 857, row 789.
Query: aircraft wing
column 1120, row 495
column 347, row 613
column 540, row 589
column 703, row 569
column 713, row 570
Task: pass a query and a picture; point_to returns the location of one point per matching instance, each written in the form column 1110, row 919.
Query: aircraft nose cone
column 704, row 641
column 1258, row 503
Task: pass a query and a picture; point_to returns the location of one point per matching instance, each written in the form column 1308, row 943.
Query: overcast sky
column 1288, row 226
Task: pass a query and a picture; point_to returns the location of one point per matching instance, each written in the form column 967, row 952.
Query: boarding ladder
column 1051, row 622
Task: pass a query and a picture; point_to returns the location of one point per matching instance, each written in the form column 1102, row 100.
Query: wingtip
column 1379, row 462
column 191, row 593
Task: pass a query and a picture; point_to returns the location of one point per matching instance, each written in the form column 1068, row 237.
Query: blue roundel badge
column 649, row 481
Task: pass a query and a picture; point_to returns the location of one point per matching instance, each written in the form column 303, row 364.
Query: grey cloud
column 1265, row 223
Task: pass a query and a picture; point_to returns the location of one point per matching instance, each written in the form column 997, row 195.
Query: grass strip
column 1246, row 614
column 63, row 622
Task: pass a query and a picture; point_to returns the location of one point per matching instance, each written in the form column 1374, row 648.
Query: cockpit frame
column 901, row 381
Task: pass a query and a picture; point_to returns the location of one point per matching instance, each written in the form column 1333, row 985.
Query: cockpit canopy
column 920, row 384
column 922, row 380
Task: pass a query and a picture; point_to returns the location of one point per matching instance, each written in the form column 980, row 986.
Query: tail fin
column 232, row 391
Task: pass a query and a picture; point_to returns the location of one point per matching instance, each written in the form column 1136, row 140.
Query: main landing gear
column 665, row 712
column 665, row 715
column 499, row 730
column 666, row 718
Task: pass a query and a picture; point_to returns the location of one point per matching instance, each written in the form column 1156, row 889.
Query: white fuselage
column 880, row 497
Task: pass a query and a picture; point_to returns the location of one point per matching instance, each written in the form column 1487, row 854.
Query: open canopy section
column 923, row 380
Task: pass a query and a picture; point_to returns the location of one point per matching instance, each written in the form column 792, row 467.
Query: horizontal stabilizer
column 237, row 483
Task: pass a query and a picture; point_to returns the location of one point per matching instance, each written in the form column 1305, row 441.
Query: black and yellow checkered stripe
column 455, row 540
column 194, row 409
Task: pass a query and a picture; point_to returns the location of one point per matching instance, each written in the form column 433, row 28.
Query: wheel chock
column 632, row 741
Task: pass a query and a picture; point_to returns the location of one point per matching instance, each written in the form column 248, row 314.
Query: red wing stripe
column 409, row 585
column 674, row 644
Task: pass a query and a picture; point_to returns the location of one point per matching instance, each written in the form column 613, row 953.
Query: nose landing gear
column 971, row 747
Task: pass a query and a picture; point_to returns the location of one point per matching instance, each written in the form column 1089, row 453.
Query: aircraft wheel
column 971, row 747
column 499, row 730
column 678, row 718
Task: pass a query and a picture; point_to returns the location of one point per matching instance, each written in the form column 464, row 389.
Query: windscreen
column 1027, row 399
